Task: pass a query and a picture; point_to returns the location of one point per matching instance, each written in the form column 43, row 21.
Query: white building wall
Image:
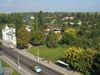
column 9, row 38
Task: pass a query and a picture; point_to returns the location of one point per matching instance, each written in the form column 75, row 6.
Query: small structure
column 79, row 23
column 71, row 23
column 9, row 35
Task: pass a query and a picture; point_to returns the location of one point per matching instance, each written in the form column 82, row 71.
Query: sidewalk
column 22, row 71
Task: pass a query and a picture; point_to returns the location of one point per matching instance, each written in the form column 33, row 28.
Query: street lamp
column 37, row 53
column 18, row 61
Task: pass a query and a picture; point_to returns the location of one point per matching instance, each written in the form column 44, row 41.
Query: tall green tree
column 34, row 24
column 3, row 18
column 51, row 40
column 18, row 20
column 40, row 21
column 23, row 37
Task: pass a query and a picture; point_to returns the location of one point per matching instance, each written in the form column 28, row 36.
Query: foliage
column 41, row 24
column 80, row 59
column 23, row 37
column 34, row 24
column 0, row 30
column 38, row 38
column 95, row 70
column 69, row 36
column 15, row 73
column 51, row 40
column 3, row 18
column 88, row 35
column 71, row 31
column 58, row 35
column 4, row 64
column 18, row 21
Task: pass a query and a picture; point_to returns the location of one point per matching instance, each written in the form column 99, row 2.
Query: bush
column 80, row 59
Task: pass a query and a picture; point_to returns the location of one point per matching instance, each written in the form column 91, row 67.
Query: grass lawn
column 52, row 54
column 15, row 73
column 4, row 64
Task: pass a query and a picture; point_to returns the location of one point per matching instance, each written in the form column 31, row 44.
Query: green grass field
column 52, row 54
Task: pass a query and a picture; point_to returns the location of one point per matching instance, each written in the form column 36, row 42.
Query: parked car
column 63, row 64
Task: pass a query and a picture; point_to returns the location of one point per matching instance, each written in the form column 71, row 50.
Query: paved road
column 28, row 62
column 24, row 70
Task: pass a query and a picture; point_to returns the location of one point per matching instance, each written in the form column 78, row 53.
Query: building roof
column 11, row 33
column 6, row 27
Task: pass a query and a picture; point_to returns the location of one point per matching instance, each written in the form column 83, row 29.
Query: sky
column 49, row 5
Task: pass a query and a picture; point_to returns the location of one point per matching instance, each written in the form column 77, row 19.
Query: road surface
column 24, row 61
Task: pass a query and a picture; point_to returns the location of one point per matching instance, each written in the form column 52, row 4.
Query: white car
column 37, row 69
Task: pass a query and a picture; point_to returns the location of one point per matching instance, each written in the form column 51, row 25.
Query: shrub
column 80, row 59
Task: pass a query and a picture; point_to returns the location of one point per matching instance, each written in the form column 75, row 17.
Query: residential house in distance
column 9, row 35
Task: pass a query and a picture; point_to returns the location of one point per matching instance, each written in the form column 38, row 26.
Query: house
column 71, row 18
column 79, row 23
column 71, row 23
column 9, row 35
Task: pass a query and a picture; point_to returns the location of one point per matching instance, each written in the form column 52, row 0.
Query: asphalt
column 28, row 62
column 24, row 70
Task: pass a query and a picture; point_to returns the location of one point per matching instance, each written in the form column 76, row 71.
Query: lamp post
column 18, row 61
column 37, row 53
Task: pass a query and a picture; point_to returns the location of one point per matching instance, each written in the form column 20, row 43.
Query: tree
column 51, row 40
column 3, row 18
column 38, row 38
column 34, row 25
column 80, row 59
column 23, row 37
column 18, row 21
column 1, row 30
column 95, row 70
column 40, row 21
column 69, row 36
